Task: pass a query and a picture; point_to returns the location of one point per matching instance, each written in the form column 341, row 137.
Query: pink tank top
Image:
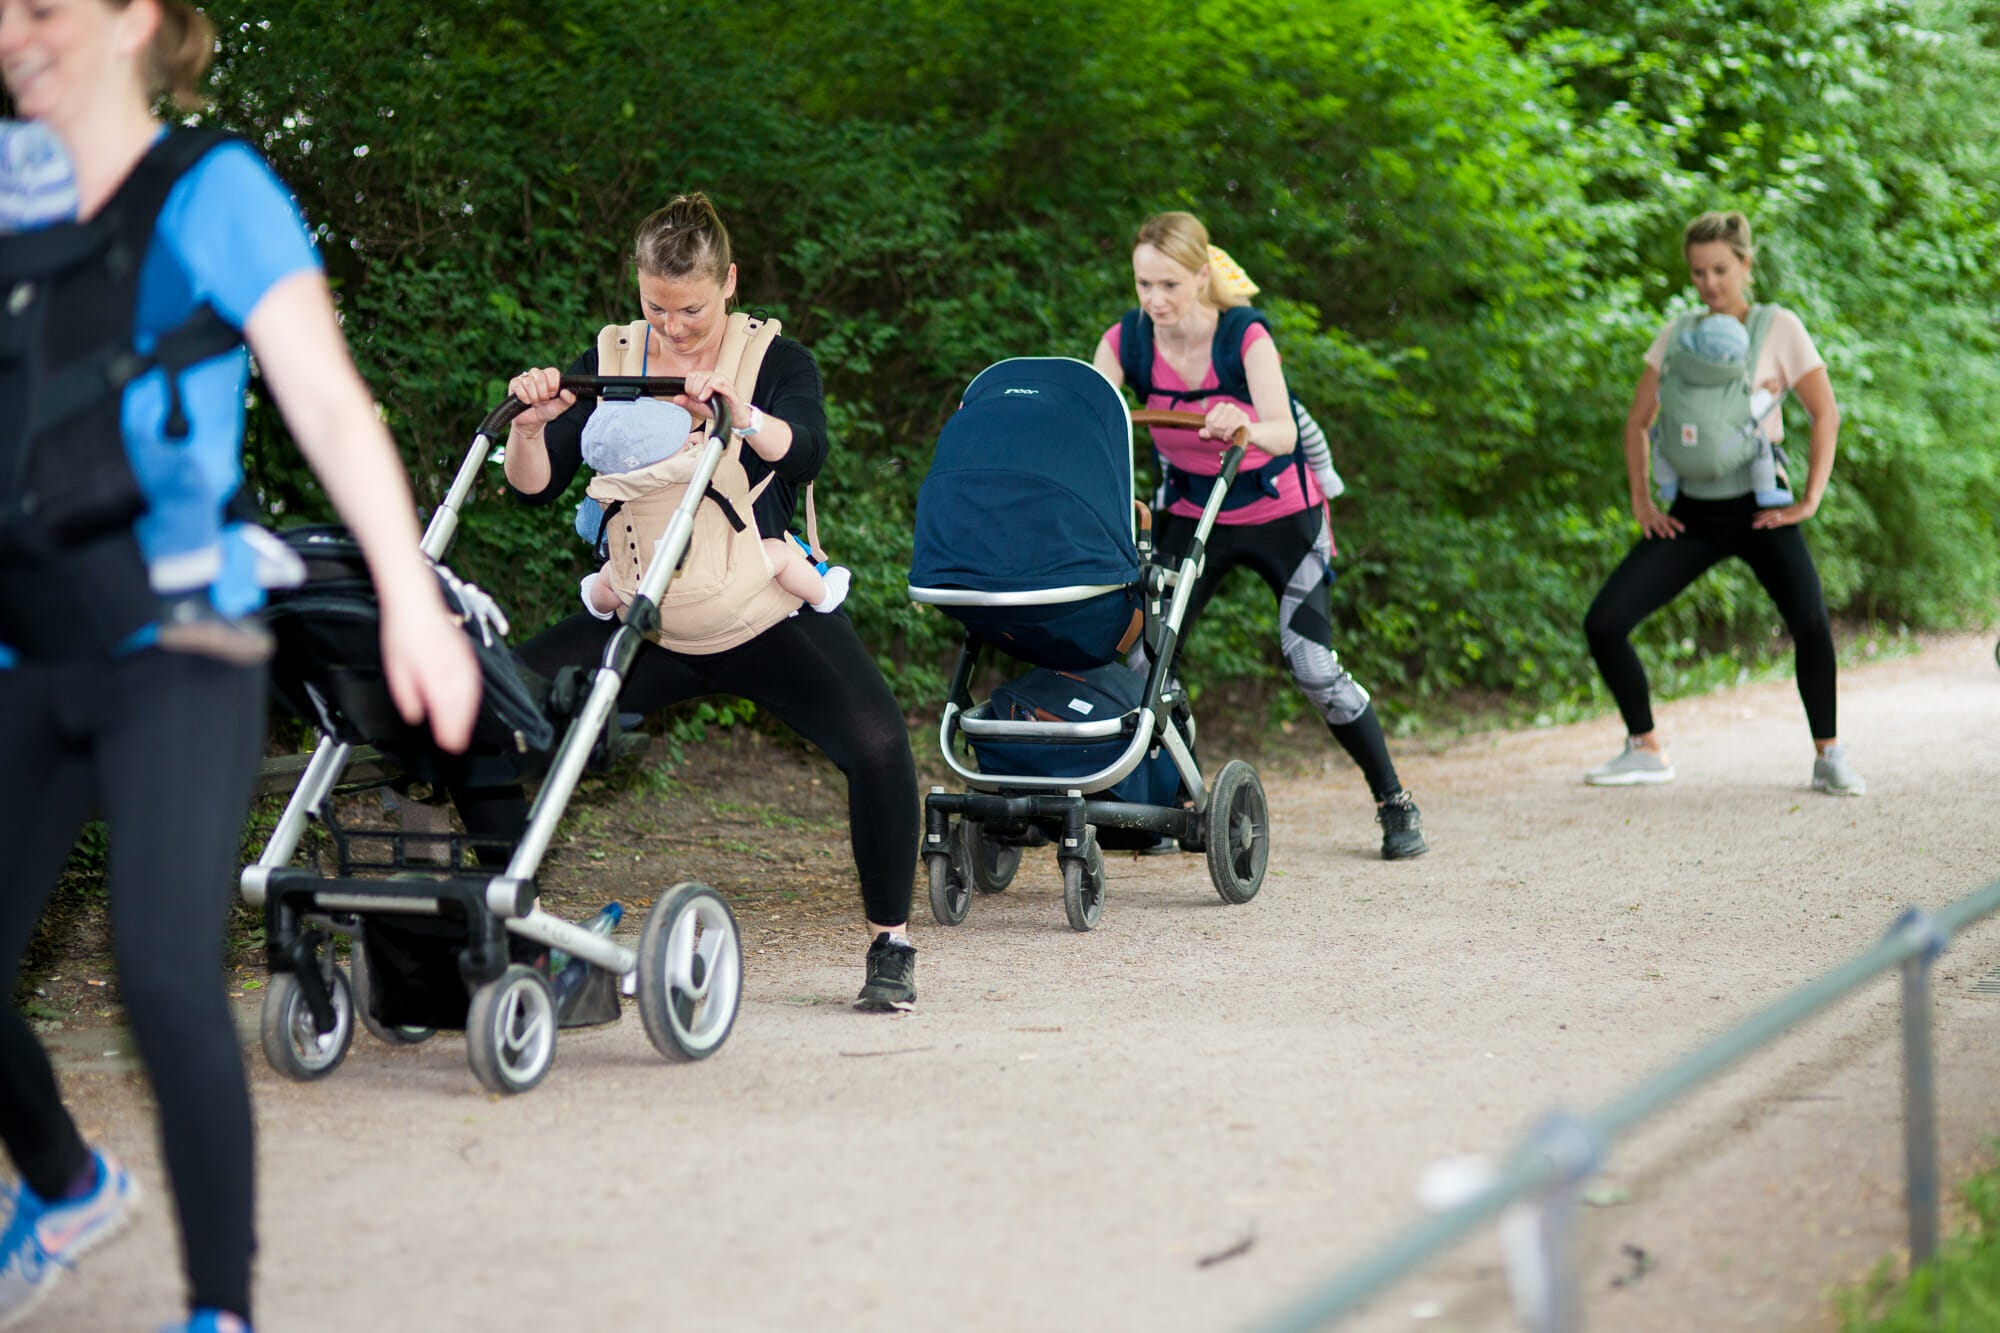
column 1186, row 450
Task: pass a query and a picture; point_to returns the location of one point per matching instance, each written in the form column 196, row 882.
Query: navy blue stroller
column 1028, row 536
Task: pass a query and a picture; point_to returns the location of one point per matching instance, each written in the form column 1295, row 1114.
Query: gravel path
column 1190, row 1115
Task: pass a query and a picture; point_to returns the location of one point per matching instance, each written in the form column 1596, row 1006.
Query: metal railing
column 1546, row 1173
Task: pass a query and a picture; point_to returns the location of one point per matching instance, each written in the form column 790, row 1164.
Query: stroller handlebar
column 1183, row 421
column 612, row 388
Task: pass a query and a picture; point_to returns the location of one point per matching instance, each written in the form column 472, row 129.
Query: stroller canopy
column 1031, row 485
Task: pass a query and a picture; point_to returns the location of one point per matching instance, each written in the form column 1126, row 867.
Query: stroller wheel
column 293, row 1043
column 951, row 894
column 399, row 1034
column 1083, row 885
column 690, row 972
column 510, row 1031
column 992, row 863
column 1237, row 829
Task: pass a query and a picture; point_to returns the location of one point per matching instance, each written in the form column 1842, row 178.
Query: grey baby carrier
column 1708, row 440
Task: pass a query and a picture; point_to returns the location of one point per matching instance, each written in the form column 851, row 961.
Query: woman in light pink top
column 1677, row 546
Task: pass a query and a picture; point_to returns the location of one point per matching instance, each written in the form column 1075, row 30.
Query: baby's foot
column 837, row 580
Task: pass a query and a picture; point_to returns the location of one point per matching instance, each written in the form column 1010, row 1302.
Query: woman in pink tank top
column 1194, row 344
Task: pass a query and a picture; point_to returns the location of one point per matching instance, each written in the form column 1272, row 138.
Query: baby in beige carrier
column 658, row 437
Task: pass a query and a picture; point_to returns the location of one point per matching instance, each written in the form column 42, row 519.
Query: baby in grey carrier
column 1709, row 429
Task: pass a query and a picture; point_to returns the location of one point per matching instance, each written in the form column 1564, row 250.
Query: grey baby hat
column 620, row 437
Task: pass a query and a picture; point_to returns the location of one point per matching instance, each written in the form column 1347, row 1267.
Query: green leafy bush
column 1465, row 218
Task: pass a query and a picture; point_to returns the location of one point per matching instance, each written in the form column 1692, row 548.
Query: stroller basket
column 362, row 849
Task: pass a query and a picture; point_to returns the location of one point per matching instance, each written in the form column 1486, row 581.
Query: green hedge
column 1465, row 217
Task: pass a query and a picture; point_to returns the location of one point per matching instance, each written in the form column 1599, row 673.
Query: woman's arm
column 331, row 414
column 1274, row 431
column 1639, row 458
column 792, row 436
column 545, row 442
column 1106, row 361
column 1815, row 393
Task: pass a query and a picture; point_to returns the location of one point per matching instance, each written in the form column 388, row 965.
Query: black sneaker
column 1402, row 828
column 892, row 976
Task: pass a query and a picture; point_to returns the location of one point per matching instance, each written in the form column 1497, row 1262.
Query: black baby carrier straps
column 72, row 579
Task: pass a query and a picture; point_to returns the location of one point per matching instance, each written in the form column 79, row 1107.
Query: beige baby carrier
column 724, row 593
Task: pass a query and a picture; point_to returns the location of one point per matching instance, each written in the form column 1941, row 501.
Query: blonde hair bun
column 1232, row 285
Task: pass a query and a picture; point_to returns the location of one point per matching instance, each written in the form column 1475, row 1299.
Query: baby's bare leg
column 795, row 573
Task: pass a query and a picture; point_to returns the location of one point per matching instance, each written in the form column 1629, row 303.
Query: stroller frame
column 511, row 1004
column 1008, row 811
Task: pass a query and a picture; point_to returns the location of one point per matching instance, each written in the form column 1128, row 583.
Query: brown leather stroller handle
column 1147, row 416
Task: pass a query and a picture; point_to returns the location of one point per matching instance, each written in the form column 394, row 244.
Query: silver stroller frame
column 687, row 991
column 1006, row 812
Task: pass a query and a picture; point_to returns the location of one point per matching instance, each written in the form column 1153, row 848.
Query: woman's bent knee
column 883, row 754
column 1813, row 627
column 1605, row 626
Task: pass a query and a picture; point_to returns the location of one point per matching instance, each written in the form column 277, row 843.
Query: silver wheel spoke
column 523, row 1028
column 697, row 1008
column 682, row 950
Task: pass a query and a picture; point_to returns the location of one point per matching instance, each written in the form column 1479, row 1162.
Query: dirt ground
column 1195, row 1113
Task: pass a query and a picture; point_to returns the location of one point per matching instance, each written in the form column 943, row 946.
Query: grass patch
column 1959, row 1293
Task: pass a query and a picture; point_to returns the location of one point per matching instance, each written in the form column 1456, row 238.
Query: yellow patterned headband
column 1228, row 276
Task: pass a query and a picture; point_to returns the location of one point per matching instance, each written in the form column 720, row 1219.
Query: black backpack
column 72, row 579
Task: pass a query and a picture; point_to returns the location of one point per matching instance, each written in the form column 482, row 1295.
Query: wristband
column 756, row 422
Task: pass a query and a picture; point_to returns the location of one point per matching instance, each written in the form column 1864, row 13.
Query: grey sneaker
column 1633, row 767
column 1833, row 775
column 892, row 976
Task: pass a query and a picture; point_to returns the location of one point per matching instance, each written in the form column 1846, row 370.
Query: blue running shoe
column 210, row 1321
column 43, row 1238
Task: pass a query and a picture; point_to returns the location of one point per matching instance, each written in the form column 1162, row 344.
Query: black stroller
column 457, row 944
column 1028, row 536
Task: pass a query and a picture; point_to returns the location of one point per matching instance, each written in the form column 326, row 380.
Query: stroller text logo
column 1031, row 393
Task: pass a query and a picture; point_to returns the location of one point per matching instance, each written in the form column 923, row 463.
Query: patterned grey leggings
column 1293, row 557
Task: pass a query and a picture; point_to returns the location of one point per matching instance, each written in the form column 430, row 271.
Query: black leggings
column 1654, row 572
column 814, row 675
column 164, row 746
column 1292, row 555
